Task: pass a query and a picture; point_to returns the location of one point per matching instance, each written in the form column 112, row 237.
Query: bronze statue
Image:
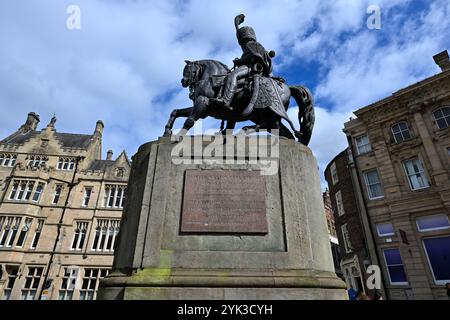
column 249, row 92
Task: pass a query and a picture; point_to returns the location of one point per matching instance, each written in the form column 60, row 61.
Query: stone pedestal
column 188, row 234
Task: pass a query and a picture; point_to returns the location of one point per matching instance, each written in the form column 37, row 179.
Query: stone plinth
column 175, row 243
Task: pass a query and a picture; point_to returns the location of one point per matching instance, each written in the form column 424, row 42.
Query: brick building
column 355, row 257
column 60, row 212
column 334, row 243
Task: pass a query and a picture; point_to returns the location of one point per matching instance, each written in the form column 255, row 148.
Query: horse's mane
column 213, row 62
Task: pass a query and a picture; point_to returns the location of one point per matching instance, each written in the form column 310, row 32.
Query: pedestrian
column 377, row 295
column 363, row 296
column 352, row 294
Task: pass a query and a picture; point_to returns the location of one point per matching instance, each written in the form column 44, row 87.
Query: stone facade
column 401, row 150
column 156, row 259
column 60, row 212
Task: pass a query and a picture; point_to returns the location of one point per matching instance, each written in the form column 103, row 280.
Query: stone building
column 60, row 212
column 334, row 243
column 401, row 151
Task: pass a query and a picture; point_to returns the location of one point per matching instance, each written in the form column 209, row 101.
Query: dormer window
column 37, row 161
column 66, row 164
column 7, row 159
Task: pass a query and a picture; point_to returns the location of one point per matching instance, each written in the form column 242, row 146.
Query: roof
column 71, row 140
column 100, row 165
column 68, row 140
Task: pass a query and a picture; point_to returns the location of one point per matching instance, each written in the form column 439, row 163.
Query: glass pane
column 398, row 137
column 376, row 191
column 433, row 222
column 372, row 177
column 446, row 111
column 438, row 114
column 385, row 229
column 438, row 250
column 441, row 123
column 85, row 284
column 397, row 274
column 392, row 256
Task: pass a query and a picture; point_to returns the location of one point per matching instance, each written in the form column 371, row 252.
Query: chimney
column 442, row 60
column 99, row 127
column 31, row 123
column 109, row 155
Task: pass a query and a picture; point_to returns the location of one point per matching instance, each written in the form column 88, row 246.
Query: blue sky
column 125, row 63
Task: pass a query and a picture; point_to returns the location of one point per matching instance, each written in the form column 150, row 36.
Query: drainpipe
column 369, row 234
column 61, row 219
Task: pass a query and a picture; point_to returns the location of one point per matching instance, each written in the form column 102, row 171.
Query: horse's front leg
column 173, row 116
column 199, row 109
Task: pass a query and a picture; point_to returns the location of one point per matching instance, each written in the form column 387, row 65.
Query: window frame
column 346, row 239
column 334, row 174
column 436, row 121
column 86, row 196
column 437, row 282
column 358, row 147
column 339, row 203
column 57, row 195
column 385, row 234
column 400, row 283
column 432, row 229
column 422, row 173
column 368, row 189
column 401, row 131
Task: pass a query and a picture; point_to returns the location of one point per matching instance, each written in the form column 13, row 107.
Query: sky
column 124, row 64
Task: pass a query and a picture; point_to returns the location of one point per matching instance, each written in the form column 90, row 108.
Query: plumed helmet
column 243, row 33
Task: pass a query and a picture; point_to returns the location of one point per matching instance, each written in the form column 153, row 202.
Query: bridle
column 194, row 75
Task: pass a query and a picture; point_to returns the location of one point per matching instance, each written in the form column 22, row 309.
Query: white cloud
column 125, row 64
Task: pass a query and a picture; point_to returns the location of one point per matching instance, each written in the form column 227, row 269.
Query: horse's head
column 191, row 73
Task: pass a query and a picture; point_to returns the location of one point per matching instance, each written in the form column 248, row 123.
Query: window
column 339, row 204
column 7, row 160
column 24, row 232
column 79, row 236
column 416, row 175
column 114, row 196
column 334, row 175
column 438, row 254
column 105, row 235
column 432, row 223
column 373, row 184
column 87, row 196
column 346, row 238
column 31, row 285
column 385, row 229
column 401, row 131
column 37, row 161
column 57, row 195
column 363, row 144
column 66, row 164
column 12, row 272
column 37, row 234
column 68, row 283
column 8, row 230
column 21, row 190
column 442, row 117
column 394, row 267
column 38, row 192
column 91, row 281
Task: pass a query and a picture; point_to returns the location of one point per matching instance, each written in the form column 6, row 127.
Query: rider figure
column 255, row 59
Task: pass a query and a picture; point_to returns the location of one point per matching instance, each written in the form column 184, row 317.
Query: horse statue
column 261, row 100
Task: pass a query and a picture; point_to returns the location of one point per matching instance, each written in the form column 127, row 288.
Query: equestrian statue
column 248, row 92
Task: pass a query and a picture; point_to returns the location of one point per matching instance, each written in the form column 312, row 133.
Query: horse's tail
column 306, row 116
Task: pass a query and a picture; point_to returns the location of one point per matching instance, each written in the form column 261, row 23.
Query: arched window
column 400, row 131
column 442, row 117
